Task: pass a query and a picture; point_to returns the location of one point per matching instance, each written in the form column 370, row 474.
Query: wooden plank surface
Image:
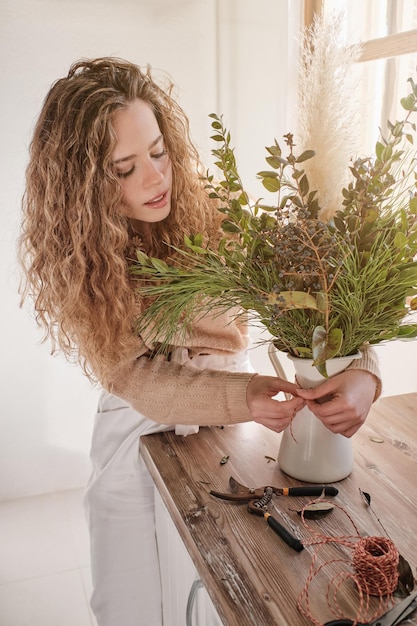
column 252, row 576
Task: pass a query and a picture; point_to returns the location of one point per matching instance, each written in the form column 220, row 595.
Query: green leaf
column 160, row 265
column 293, row 300
column 296, row 200
column 371, row 215
column 409, row 103
column 142, row 258
column 304, row 353
column 407, row 331
column 316, row 510
column 322, row 300
column 267, row 174
column 198, row 249
column 400, row 240
column 405, row 578
column 307, row 154
column 304, row 188
column 243, row 199
column 325, row 346
column 387, row 152
column 198, row 239
column 297, row 173
column 274, row 150
column 230, row 227
column 378, row 149
column 271, row 184
column 413, row 205
column 276, row 161
column 408, row 275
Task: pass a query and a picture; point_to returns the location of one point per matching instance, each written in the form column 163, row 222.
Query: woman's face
column 142, row 163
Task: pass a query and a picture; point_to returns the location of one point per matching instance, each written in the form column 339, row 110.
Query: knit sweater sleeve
column 170, row 393
column 369, row 362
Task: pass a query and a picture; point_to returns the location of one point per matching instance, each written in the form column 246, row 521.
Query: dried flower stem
column 328, row 109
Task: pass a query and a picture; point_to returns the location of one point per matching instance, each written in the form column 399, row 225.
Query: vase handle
column 273, row 356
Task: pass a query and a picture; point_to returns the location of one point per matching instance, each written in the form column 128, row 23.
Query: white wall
column 231, row 54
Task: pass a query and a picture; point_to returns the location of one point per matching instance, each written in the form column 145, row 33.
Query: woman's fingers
column 267, row 411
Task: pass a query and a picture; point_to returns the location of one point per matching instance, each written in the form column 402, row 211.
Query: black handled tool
column 258, row 500
column 258, row 507
column 241, row 493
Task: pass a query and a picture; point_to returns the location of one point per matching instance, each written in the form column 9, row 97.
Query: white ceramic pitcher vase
column 309, row 451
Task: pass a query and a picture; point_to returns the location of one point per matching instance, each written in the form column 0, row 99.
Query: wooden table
column 251, row 575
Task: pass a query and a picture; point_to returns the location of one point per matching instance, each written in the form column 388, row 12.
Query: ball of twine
column 372, row 566
column 375, row 560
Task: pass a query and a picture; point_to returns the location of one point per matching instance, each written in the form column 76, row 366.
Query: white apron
column 119, row 502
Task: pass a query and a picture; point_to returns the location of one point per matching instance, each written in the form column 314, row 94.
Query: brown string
column 372, row 567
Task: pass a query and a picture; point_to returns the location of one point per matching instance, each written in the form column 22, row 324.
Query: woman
column 112, row 168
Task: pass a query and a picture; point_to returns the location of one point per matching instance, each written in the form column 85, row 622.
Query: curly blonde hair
column 74, row 239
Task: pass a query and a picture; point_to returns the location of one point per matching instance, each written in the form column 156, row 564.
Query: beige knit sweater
column 169, row 393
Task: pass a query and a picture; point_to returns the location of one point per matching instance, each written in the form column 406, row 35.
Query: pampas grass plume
column 328, row 109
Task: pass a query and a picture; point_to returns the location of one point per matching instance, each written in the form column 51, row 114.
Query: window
column 387, row 29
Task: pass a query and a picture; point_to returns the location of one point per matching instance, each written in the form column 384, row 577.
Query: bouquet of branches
column 321, row 287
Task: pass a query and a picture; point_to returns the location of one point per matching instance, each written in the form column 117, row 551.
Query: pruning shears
column 258, row 500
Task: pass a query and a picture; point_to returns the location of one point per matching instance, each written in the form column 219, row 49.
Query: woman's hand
column 273, row 414
column 342, row 403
